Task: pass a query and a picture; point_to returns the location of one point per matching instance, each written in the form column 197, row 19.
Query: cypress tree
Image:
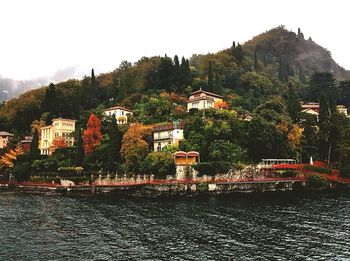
column 93, row 90
column 80, row 147
column 34, row 147
column 114, row 145
column 177, row 81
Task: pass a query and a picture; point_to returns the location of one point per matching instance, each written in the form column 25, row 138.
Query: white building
column 59, row 130
column 121, row 114
column 342, row 109
column 169, row 134
column 203, row 100
column 4, row 138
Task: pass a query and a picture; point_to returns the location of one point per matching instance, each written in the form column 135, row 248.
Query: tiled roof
column 207, row 93
column 5, row 133
column 116, row 108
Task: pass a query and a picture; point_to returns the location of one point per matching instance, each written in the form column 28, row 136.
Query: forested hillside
column 265, row 78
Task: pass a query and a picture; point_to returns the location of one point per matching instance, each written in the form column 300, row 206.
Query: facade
column 4, row 138
column 310, row 106
column 203, row 100
column 167, row 134
column 59, row 130
column 26, row 143
column 121, row 114
column 183, row 163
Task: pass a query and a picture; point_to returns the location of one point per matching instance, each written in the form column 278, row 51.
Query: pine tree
column 34, row 147
column 210, row 77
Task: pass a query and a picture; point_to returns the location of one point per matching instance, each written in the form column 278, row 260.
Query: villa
column 203, row 100
column 60, row 129
column 168, row 134
column 121, row 114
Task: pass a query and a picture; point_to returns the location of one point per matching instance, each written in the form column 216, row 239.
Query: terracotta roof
column 207, row 93
column 116, row 108
column 200, row 99
column 168, row 126
column 180, row 154
column 62, row 119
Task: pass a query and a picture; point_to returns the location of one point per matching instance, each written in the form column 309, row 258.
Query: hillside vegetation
column 265, row 79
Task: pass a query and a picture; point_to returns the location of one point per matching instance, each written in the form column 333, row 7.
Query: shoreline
column 174, row 190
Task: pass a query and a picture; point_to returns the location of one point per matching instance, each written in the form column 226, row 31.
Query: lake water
column 274, row 227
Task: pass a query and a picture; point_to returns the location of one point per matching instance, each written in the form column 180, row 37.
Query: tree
column 80, row 148
column 135, row 146
column 113, row 145
column 265, row 140
column 59, row 143
column 177, row 74
column 323, row 83
column 165, row 73
column 344, row 160
column 34, row 147
column 186, row 74
column 93, row 94
column 293, row 103
column 160, row 163
column 92, row 135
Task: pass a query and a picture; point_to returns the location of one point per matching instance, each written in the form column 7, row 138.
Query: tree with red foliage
column 92, row 135
column 59, row 143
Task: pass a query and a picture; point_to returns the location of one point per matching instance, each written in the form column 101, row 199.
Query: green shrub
column 212, row 168
column 317, row 181
column 289, row 173
column 318, row 169
column 22, row 171
column 45, row 179
column 69, row 171
column 345, row 172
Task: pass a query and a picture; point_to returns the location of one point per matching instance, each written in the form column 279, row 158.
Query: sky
column 41, row 38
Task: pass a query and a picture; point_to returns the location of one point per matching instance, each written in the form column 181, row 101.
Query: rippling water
column 214, row 228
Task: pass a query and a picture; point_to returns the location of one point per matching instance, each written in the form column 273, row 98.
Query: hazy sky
column 41, row 37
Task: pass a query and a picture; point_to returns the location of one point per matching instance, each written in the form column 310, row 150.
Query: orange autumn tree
column 135, row 146
column 92, row 135
column 220, row 104
column 59, row 143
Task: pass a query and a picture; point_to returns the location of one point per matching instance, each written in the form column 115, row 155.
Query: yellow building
column 59, row 130
column 203, row 100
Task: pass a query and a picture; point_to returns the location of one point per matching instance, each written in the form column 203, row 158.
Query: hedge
column 318, row 169
column 317, row 181
column 212, row 168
